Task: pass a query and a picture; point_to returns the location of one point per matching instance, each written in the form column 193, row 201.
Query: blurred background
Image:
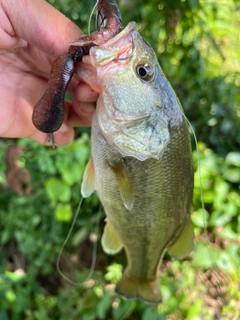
column 197, row 43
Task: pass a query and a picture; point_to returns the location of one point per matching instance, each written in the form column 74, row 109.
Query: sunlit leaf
column 58, row 190
column 232, row 175
column 233, row 158
column 63, row 212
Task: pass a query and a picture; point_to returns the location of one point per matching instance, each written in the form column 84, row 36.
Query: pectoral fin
column 110, row 242
column 124, row 183
column 184, row 244
column 87, row 187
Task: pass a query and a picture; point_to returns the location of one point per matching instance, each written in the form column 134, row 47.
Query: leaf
column 5, row 236
column 193, row 3
column 15, row 277
column 114, row 272
column 63, row 212
column 233, row 158
column 224, row 262
column 200, row 218
column 82, row 154
column 10, row 296
column 228, row 233
column 152, row 314
column 123, row 310
column 71, row 172
column 58, row 190
column 103, row 306
column 3, row 315
column 232, row 175
column 80, row 236
column 195, row 309
column 204, row 257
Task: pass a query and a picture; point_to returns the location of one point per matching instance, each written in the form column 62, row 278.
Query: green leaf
column 72, row 173
column 233, row 158
column 194, row 310
column 14, row 277
column 193, row 3
column 10, row 296
column 228, row 233
column 104, row 306
column 80, row 236
column 114, row 272
column 204, row 257
column 3, row 315
column 123, row 309
column 5, row 236
column 63, row 212
column 200, row 218
column 224, row 262
column 58, row 190
column 152, row 314
column 82, row 154
column 232, row 175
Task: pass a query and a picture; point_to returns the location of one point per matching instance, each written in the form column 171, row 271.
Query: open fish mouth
column 117, row 47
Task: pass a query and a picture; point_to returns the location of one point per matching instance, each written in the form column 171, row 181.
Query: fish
column 141, row 161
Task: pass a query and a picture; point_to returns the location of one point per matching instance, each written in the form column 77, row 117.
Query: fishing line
column 94, row 253
column 65, row 242
column 214, row 268
column 90, row 18
column 199, row 176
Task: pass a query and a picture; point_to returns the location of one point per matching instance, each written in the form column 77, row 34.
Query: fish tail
column 145, row 290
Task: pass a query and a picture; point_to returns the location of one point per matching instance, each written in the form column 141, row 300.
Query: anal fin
column 184, row 244
column 110, row 242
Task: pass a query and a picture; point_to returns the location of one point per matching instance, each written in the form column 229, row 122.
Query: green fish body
column 141, row 163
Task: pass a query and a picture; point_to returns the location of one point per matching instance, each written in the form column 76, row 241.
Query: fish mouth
column 128, row 30
column 120, row 47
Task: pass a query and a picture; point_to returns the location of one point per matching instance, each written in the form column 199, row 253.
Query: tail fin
column 147, row 291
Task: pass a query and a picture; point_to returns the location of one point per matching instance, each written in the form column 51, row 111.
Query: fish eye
column 145, row 71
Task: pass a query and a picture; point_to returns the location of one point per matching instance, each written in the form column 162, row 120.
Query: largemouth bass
column 141, row 164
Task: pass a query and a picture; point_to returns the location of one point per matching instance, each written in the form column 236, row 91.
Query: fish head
column 137, row 108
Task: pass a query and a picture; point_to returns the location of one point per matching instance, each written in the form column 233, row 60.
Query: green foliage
column 196, row 43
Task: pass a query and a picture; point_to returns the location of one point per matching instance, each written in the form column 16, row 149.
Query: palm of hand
column 24, row 73
column 32, row 35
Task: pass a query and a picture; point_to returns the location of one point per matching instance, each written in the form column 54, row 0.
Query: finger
column 62, row 137
column 41, row 25
column 80, row 114
column 85, row 93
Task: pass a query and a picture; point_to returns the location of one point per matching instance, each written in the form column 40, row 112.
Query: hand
column 32, row 35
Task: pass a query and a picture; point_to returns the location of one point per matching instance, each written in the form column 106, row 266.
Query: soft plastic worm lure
column 48, row 113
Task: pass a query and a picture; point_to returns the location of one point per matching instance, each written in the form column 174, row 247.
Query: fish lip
column 114, row 48
column 129, row 29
